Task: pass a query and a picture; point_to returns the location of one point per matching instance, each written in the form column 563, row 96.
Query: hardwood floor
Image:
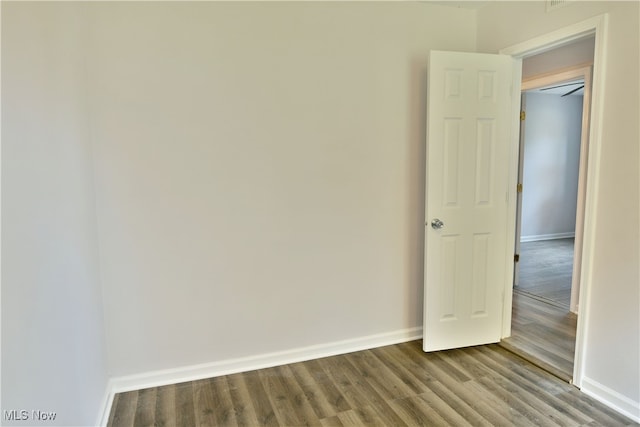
column 543, row 329
column 546, row 268
column 388, row 386
column 544, row 334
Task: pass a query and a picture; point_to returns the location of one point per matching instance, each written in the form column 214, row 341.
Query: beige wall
column 260, row 173
column 613, row 331
column 577, row 53
column 53, row 337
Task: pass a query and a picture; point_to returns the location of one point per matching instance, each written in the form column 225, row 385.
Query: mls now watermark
column 28, row 415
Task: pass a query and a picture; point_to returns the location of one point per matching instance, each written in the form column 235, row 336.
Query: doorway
column 550, row 212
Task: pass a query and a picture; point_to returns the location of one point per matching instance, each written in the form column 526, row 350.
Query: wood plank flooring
column 543, row 329
column 388, row 386
column 546, row 268
column 544, row 334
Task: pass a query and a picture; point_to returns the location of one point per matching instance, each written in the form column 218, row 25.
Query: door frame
column 535, row 82
column 596, row 26
column 518, row 231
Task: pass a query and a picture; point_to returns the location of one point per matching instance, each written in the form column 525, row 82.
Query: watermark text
column 28, row 415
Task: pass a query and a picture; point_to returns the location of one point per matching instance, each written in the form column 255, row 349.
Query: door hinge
column 523, row 115
column 519, row 188
column 516, row 258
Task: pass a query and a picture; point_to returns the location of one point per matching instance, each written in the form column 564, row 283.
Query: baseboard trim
column 611, row 398
column 243, row 364
column 107, row 402
column 540, row 237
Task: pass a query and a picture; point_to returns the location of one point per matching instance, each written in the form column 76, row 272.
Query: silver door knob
column 436, row 224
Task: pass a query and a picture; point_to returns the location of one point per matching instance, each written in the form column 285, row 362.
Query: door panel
column 468, row 128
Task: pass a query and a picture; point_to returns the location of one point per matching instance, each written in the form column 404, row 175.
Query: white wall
column 577, row 53
column 551, row 163
column 613, row 332
column 260, row 173
column 53, row 340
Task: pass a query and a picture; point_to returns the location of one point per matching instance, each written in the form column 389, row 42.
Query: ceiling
column 469, row 4
column 561, row 88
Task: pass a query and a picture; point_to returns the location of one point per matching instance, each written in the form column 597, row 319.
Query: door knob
column 436, row 224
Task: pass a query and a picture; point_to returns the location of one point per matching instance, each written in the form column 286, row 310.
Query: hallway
column 543, row 329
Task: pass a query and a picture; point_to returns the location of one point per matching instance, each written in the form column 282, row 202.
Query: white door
column 468, row 147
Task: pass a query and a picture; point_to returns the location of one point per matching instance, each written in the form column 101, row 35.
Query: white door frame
column 536, row 82
column 594, row 26
column 518, row 232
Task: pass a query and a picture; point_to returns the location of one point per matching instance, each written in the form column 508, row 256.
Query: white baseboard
column 611, row 398
column 243, row 364
column 107, row 402
column 539, row 237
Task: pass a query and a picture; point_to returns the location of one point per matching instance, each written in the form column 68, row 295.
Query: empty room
column 303, row 213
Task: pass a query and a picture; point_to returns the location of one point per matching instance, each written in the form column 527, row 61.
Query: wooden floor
column 388, row 386
column 546, row 268
column 543, row 333
column 543, row 329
